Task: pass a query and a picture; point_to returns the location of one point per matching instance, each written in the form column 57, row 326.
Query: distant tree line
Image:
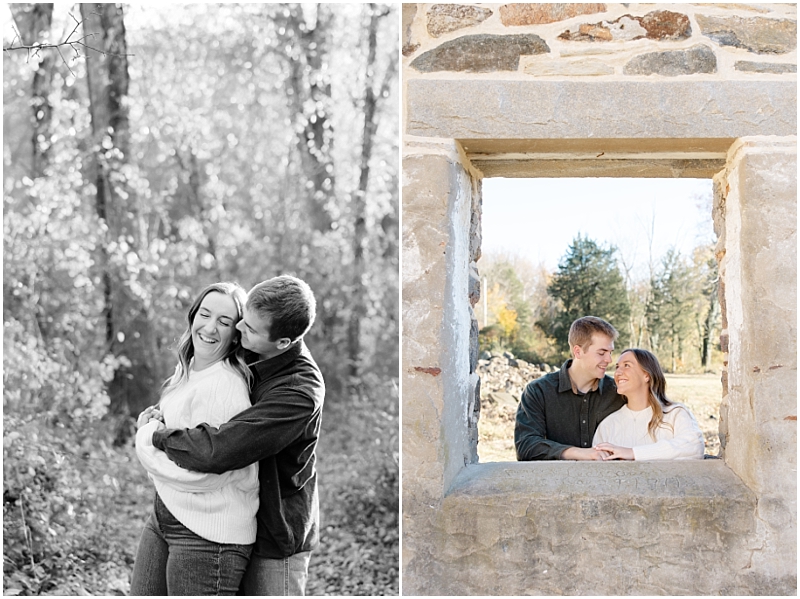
column 674, row 312
column 148, row 154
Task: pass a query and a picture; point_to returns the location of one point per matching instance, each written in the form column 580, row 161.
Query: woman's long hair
column 235, row 355
column 657, row 396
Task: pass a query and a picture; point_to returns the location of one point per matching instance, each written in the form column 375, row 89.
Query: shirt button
column 584, row 443
column 584, row 422
column 584, row 401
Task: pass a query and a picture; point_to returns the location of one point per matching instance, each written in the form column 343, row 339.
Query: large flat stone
column 482, row 53
column 444, row 18
column 755, row 34
column 476, row 109
column 522, row 14
column 671, row 63
column 765, row 67
column 554, row 66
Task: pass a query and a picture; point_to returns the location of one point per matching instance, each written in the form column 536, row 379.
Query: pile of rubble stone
column 504, row 377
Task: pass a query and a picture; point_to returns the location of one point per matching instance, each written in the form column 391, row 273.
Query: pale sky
column 538, row 218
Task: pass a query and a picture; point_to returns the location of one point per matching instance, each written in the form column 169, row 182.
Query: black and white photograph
column 200, row 299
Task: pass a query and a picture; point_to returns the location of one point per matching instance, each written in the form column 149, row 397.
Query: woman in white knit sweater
column 200, row 534
column 650, row 426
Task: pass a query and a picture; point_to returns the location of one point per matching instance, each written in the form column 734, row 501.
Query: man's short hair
column 289, row 304
column 581, row 331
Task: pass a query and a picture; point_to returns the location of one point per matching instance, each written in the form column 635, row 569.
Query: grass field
column 702, row 393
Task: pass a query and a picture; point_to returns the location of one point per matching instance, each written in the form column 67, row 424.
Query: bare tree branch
column 36, row 47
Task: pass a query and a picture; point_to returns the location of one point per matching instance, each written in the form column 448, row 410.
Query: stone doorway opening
column 648, row 243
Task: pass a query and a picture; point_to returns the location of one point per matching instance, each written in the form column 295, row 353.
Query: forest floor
column 358, row 552
column 701, row 392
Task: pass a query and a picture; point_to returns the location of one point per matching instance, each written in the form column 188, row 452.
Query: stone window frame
column 481, row 501
column 625, row 129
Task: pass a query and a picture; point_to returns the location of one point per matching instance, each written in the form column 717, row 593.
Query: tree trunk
column 371, row 99
column 708, row 326
column 128, row 330
column 310, row 96
column 32, row 21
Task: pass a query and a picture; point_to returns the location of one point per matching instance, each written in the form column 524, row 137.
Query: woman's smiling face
column 214, row 328
column 629, row 376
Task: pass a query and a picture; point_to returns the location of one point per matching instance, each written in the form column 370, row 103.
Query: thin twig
column 37, row 47
column 25, row 531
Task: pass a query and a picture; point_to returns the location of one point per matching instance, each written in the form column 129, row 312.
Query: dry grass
column 701, row 392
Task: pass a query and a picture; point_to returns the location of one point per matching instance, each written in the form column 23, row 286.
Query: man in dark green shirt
column 558, row 413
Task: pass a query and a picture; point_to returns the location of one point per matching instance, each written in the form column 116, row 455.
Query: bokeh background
column 147, row 152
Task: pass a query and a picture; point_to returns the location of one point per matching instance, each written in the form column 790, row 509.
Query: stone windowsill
column 661, row 481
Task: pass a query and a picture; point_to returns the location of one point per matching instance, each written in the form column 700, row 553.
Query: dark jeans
column 271, row 577
column 172, row 560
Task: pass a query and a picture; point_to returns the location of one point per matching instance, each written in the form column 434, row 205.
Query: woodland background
column 147, row 152
column 671, row 307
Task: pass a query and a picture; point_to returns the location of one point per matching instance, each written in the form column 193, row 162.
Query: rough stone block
column 660, row 25
column 755, row 34
column 547, row 66
column 473, row 416
column 474, row 284
column 475, row 236
column 444, row 18
column 409, row 45
column 474, row 349
column 480, row 53
column 537, row 14
column 437, row 317
column 571, row 528
column 761, row 292
column 697, row 59
column 764, row 67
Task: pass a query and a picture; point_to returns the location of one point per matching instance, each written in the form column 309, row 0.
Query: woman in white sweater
column 650, row 426
column 198, row 539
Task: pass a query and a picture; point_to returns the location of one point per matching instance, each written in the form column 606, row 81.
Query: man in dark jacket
column 279, row 431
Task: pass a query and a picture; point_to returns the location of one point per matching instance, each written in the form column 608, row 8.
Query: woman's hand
column 613, row 452
column 583, row 454
column 151, row 413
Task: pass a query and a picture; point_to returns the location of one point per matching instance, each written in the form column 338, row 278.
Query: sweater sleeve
column 260, row 431
column 161, row 467
column 686, row 442
column 602, row 434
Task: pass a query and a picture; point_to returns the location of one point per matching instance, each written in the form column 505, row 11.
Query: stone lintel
column 653, row 109
column 645, row 168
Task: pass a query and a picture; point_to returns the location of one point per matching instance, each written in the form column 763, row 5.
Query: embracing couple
column 230, row 448
column 580, row 413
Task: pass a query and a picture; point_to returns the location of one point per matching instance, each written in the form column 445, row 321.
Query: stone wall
column 721, row 41
column 653, row 90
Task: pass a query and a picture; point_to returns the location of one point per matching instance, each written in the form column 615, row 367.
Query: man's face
column 596, row 357
column 255, row 335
